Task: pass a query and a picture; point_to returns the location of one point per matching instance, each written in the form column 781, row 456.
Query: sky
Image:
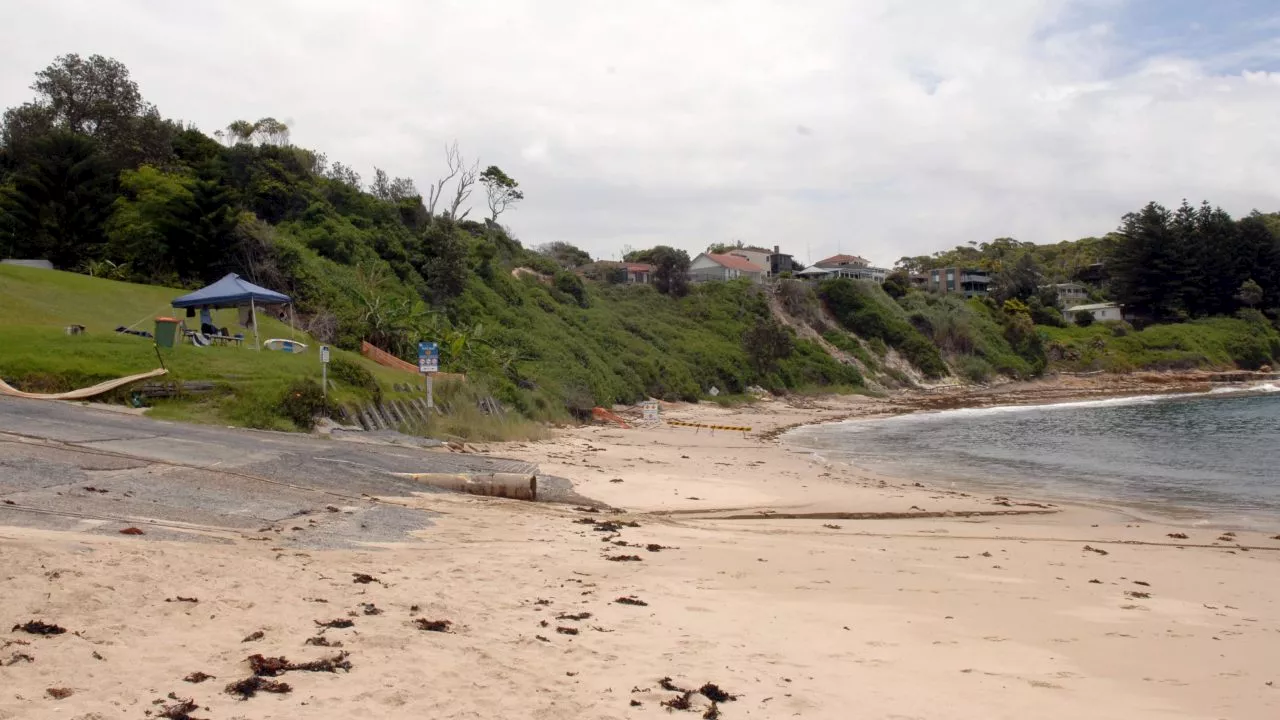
column 877, row 127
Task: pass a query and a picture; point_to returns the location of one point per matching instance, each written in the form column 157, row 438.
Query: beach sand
column 1004, row 616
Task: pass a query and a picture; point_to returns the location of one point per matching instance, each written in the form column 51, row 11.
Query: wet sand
column 1071, row 612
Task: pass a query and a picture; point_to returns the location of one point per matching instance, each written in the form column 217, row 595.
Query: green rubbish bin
column 166, row 331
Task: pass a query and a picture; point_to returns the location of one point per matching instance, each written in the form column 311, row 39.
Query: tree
column 345, row 175
column 566, row 255
column 670, row 269
column 151, row 222
column 897, row 283
column 445, row 266
column 1018, row 279
column 97, row 98
column 269, row 131
column 1084, row 318
column 453, row 159
column 913, row 265
column 58, row 199
column 503, row 191
column 239, row 131
column 1149, row 264
column 1250, row 293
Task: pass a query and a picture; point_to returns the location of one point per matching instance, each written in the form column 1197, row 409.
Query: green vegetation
column 94, row 179
column 251, row 388
column 1247, row 342
column 863, row 307
column 973, row 332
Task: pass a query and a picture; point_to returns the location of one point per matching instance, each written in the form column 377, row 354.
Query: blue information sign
column 428, row 357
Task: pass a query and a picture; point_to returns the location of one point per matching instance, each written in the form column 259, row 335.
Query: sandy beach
column 795, row 587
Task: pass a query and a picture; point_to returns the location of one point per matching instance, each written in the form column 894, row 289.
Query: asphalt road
column 68, row 467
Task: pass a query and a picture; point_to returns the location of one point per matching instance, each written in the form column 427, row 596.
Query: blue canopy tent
column 234, row 291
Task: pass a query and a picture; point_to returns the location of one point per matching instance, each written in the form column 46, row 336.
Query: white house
column 754, row 255
column 1100, row 311
column 724, row 267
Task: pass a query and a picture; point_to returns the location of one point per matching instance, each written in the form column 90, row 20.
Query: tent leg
column 292, row 324
column 253, row 318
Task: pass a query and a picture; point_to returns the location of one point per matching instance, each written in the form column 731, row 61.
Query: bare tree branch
column 436, row 191
column 466, row 182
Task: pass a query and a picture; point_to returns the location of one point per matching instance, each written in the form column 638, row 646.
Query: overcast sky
column 879, row 127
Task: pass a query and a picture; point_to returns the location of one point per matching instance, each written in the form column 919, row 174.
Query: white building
column 1100, row 311
column 724, row 267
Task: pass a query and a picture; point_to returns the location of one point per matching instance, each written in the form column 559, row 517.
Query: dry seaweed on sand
column 712, row 713
column 39, row 627
column 336, row 623
column 254, row 636
column 273, row 666
column 433, row 625
column 322, row 641
column 623, row 558
column 253, row 684
column 679, row 702
column 567, row 630
column 181, row 710
column 666, row 684
column 712, row 692
column 60, row 693
column 1178, row 536
column 18, row 657
column 198, row 677
column 364, row 579
column 132, row 531
column 329, row 664
column 370, row 609
column 631, row 600
column 268, row 666
column 180, row 598
column 655, row 547
column 1100, row 551
column 575, row 616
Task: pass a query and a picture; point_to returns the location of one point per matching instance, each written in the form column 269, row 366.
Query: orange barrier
column 608, row 416
column 382, row 357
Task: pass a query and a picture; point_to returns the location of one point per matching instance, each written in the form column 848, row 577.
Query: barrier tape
column 681, row 423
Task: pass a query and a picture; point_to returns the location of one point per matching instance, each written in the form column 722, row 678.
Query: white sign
column 324, row 354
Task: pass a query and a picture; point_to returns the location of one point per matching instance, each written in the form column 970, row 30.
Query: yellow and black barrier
column 681, row 423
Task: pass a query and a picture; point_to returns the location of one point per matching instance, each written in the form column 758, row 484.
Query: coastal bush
column 1084, row 318
column 864, row 308
column 970, row 328
column 1211, row 343
column 302, row 402
column 853, row 346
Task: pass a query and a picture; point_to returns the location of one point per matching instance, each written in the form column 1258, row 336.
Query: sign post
column 324, row 372
column 428, row 364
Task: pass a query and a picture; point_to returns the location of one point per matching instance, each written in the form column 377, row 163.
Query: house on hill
column 970, row 282
column 757, row 256
column 853, row 267
column 628, row 273
column 727, row 266
column 842, row 261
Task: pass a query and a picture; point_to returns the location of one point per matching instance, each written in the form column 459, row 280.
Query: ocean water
column 1212, row 456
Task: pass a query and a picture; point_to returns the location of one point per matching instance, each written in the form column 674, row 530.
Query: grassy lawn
column 36, row 354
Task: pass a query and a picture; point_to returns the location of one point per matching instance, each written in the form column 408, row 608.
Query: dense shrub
column 302, row 402
column 864, row 308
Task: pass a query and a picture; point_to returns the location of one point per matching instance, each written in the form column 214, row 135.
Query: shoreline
column 801, row 588
column 1052, row 396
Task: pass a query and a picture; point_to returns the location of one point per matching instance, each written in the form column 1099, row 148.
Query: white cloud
column 881, row 127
